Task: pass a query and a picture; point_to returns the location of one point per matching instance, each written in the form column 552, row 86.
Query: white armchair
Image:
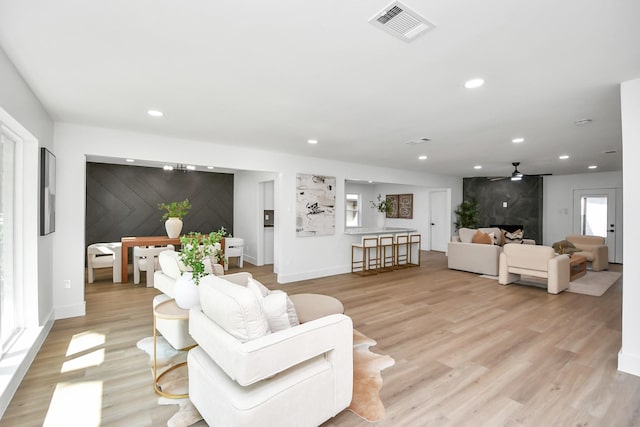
column 536, row 261
column 104, row 255
column 242, row 375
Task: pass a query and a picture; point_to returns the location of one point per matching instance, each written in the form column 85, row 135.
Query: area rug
column 594, row 283
column 367, row 380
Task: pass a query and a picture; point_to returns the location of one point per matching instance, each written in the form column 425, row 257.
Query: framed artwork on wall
column 47, row 192
column 393, row 198
column 405, row 206
column 315, row 205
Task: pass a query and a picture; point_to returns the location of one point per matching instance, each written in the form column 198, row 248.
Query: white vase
column 186, row 291
column 381, row 219
column 173, row 226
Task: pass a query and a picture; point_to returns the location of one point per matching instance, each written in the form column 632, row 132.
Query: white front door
column 439, row 225
column 594, row 213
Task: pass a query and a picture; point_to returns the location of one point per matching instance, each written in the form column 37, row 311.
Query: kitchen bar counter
column 361, row 231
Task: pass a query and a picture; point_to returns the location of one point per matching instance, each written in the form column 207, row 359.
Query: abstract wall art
column 315, row 205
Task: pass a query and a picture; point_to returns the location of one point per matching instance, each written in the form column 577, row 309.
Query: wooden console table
column 129, row 242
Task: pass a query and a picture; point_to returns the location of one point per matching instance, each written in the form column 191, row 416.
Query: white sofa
column 478, row 258
column 241, row 374
column 536, row 261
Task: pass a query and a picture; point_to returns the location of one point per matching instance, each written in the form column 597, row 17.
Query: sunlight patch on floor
column 75, row 404
column 95, row 358
column 85, row 341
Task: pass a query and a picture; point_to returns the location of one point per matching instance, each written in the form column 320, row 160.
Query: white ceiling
column 274, row 74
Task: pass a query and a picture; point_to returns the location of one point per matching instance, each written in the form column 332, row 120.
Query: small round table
column 314, row 306
column 168, row 310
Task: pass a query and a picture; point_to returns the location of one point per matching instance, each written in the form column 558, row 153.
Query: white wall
column 296, row 258
column 629, row 356
column 557, row 217
column 21, row 110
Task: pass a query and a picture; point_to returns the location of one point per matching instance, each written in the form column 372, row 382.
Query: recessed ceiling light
column 191, row 167
column 370, row 182
column 563, row 157
column 473, row 83
column 209, row 167
column 593, row 167
column 312, row 141
column 155, row 113
column 517, row 140
column 477, row 167
column 168, row 168
column 129, row 160
column 422, row 157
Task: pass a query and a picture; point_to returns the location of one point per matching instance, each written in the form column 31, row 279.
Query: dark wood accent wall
column 123, row 201
column 524, row 202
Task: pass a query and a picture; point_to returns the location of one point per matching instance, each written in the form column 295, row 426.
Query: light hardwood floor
column 468, row 352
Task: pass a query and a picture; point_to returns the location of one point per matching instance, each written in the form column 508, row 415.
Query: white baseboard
column 15, row 366
column 294, row 277
column 67, row 311
column 629, row 363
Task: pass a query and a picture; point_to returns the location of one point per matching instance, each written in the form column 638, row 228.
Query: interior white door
column 438, row 220
column 594, row 213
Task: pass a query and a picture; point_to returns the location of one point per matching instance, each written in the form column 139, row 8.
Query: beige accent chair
column 593, row 248
column 537, row 261
column 243, row 374
column 145, row 258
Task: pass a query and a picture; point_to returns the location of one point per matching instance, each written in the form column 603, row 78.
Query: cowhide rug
column 367, row 380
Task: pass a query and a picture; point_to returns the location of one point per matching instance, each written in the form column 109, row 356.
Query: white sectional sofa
column 478, row 258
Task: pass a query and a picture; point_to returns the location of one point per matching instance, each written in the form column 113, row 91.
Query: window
column 352, row 210
column 8, row 291
column 594, row 216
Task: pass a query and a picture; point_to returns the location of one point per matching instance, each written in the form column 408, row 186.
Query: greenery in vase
column 175, row 209
column 382, row 205
column 468, row 214
column 195, row 248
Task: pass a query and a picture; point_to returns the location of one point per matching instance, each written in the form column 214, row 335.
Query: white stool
column 146, row 259
column 402, row 250
column 104, row 255
column 369, row 260
column 386, row 244
column 233, row 247
column 415, row 241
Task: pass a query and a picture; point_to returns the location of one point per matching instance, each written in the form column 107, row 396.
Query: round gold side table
column 167, row 310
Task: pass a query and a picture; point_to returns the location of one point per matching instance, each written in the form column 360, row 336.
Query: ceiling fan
column 516, row 175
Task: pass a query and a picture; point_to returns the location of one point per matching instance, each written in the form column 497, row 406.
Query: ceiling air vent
column 418, row 141
column 399, row 21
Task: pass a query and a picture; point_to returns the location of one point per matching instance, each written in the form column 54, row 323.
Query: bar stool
column 415, row 242
column 387, row 250
column 369, row 259
column 402, row 250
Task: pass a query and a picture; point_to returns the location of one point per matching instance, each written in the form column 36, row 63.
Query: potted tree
column 468, row 214
column 174, row 212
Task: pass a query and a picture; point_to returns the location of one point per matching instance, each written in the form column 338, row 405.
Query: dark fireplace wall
column 523, row 198
column 123, row 201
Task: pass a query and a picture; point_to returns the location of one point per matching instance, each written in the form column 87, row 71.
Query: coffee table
column 577, row 267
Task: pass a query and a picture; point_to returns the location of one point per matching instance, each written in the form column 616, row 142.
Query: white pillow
column 234, row 308
column 466, row 234
column 262, row 292
column 274, row 306
column 170, row 263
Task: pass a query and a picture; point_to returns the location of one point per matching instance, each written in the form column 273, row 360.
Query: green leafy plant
column 195, row 248
column 175, row 209
column 468, row 214
column 382, row 205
